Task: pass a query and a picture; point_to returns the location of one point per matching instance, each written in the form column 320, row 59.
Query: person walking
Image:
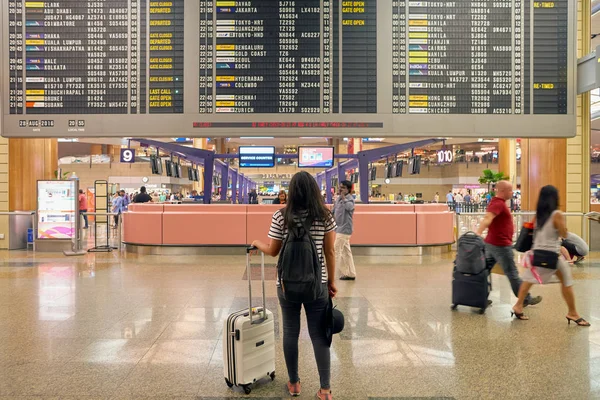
column 343, row 211
column 83, row 207
column 498, row 242
column 436, row 198
column 117, row 207
column 550, row 228
column 449, row 197
column 125, row 200
column 305, row 203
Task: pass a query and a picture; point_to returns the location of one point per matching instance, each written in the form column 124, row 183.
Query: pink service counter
column 238, row 224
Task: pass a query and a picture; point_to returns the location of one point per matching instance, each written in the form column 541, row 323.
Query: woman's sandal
column 579, row 322
column 520, row 316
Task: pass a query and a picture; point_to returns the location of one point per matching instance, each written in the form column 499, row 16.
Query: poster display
column 57, row 209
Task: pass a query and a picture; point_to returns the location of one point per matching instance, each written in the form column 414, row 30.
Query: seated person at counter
column 196, row 196
column 142, row 197
column 281, row 198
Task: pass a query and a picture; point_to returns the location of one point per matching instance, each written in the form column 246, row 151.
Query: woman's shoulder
column 278, row 214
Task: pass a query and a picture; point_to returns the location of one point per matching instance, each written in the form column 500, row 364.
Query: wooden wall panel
column 30, row 160
column 543, row 162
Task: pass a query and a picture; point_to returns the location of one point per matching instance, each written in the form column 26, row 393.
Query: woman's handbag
column 334, row 321
column 525, row 239
column 545, row 259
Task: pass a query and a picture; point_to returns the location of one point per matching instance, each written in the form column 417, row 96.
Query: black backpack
column 470, row 255
column 299, row 266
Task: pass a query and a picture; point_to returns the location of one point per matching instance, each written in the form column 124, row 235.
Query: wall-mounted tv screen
column 155, row 165
column 414, row 165
column 257, row 156
column 315, row 157
column 169, row 167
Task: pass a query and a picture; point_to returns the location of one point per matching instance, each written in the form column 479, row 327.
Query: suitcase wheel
column 247, row 389
column 229, row 384
column 272, row 376
column 482, row 311
column 453, row 307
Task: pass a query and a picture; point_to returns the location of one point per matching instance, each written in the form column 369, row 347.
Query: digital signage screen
column 315, row 157
column 57, row 209
column 257, row 156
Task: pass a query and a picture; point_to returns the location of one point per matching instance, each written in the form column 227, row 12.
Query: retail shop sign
column 444, row 156
column 127, row 156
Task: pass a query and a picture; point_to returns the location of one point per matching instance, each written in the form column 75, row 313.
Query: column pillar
column 578, row 158
column 564, row 163
column 507, row 159
column 543, row 162
column 96, row 149
column 30, row 160
column 221, row 145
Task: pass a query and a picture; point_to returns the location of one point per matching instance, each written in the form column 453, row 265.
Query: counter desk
column 237, row 225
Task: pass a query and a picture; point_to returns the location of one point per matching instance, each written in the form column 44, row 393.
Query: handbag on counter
column 545, row 259
column 525, row 240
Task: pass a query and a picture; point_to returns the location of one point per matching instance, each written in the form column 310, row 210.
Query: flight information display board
column 290, row 67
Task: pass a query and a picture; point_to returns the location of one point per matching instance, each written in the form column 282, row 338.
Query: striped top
column 278, row 231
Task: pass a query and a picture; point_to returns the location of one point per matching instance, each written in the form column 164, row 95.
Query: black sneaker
column 532, row 301
column 347, row 278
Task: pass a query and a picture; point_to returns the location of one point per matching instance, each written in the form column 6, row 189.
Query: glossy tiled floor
column 110, row 326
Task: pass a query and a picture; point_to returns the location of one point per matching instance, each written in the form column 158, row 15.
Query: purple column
column 363, row 166
column 224, row 181
column 328, row 175
column 234, row 181
column 209, row 168
column 241, row 184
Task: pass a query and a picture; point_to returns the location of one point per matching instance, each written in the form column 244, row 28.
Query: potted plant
column 490, row 178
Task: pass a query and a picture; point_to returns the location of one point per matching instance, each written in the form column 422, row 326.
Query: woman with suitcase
column 304, row 207
column 546, row 261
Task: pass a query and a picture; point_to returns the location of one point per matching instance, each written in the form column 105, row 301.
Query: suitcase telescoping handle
column 262, row 278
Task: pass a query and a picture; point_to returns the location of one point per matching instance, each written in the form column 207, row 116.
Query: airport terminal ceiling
column 140, row 68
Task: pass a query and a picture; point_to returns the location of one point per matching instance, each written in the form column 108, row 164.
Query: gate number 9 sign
column 127, row 156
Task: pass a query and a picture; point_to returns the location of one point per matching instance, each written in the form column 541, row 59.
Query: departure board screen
column 83, row 57
column 288, row 67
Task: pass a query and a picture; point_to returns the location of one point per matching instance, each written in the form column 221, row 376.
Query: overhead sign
column 445, row 156
column 127, row 156
column 257, row 156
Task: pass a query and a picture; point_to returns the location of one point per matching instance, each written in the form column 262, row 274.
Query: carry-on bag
column 471, row 289
column 470, row 254
column 249, row 339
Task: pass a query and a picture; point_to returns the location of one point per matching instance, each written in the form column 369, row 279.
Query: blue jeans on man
column 504, row 256
column 85, row 217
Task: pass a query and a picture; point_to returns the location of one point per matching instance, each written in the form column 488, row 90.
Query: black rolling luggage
column 471, row 289
column 471, row 280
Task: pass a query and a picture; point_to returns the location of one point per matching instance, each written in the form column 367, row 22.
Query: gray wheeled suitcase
column 249, row 340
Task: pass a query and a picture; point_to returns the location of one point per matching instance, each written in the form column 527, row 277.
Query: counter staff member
column 343, row 211
column 281, row 198
column 498, row 242
column 142, row 197
column 196, row 196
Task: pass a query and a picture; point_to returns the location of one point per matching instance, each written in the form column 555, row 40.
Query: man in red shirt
column 83, row 207
column 498, row 242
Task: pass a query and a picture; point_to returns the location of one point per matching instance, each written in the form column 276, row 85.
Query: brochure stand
column 102, row 197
